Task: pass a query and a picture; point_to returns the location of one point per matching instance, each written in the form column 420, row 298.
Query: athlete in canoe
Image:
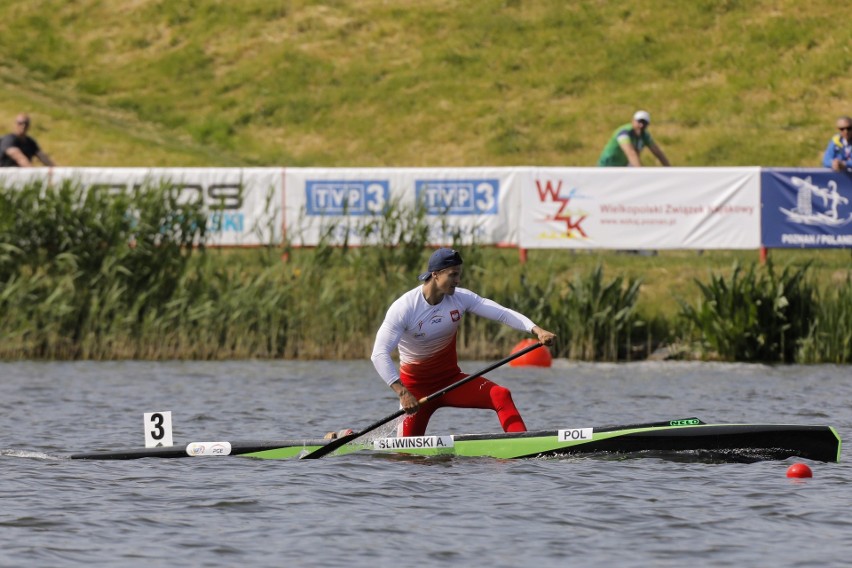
column 422, row 325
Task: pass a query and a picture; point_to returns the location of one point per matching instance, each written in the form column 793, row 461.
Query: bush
column 830, row 339
column 755, row 315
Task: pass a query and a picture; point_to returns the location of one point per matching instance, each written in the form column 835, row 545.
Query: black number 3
column 157, row 433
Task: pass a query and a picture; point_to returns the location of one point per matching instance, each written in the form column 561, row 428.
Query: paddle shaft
column 334, row 444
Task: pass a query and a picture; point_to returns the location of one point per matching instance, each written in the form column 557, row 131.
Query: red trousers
column 477, row 393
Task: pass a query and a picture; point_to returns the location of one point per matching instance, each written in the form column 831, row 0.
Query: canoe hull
column 701, row 442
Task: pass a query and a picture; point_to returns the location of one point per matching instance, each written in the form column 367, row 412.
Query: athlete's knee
column 415, row 424
column 412, row 427
column 501, row 396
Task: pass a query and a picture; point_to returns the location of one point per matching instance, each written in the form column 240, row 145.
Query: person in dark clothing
column 18, row 150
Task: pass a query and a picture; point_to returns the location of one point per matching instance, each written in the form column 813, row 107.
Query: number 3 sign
column 158, row 429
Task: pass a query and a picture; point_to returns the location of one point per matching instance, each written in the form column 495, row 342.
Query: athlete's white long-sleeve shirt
column 426, row 335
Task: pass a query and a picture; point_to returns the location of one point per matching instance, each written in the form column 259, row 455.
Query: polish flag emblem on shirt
column 455, row 315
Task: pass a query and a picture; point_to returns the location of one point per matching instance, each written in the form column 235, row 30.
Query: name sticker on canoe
column 575, row 434
column 194, row 449
column 413, row 442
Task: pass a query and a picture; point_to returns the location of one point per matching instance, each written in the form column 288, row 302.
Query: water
column 378, row 510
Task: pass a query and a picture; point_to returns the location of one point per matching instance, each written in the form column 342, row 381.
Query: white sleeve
column 492, row 310
column 387, row 340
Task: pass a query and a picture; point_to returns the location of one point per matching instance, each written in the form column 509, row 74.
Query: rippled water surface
column 378, row 510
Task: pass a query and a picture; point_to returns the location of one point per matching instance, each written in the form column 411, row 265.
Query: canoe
column 688, row 438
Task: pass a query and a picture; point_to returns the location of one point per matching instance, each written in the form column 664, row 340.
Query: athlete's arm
column 492, row 310
column 546, row 337
column 407, row 401
column 387, row 340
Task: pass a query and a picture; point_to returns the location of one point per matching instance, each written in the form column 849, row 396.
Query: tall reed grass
column 89, row 275
column 830, row 336
column 755, row 314
column 80, row 269
column 594, row 319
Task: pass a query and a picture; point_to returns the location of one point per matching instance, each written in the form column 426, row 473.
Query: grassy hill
column 412, row 83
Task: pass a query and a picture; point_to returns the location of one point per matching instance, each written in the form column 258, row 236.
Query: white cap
column 642, row 115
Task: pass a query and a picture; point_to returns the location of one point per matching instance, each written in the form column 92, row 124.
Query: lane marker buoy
column 540, row 357
column 799, row 470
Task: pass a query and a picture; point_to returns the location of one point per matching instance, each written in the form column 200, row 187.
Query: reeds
column 594, row 319
column 830, row 336
column 80, row 269
column 755, row 314
column 91, row 275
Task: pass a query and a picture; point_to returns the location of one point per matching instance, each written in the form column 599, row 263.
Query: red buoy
column 536, row 358
column 799, row 470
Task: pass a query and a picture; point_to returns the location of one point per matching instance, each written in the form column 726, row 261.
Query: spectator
column 626, row 143
column 838, row 154
column 18, row 150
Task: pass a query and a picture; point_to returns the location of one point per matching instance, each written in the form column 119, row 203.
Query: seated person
column 18, row 150
column 838, row 154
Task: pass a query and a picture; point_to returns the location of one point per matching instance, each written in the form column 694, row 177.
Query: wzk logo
column 458, row 196
column 573, row 222
column 350, row 197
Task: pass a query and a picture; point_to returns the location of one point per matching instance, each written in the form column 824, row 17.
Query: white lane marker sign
column 158, row 429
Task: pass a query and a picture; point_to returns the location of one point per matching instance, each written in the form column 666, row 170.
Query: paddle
column 334, row 444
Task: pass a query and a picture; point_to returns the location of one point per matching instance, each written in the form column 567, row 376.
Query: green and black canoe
column 686, row 438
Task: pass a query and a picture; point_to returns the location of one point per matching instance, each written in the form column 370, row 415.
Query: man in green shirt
column 627, row 141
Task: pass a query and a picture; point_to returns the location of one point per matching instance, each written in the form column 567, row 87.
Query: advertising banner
column 19, row 177
column 640, row 208
column 807, row 208
column 576, row 208
column 361, row 206
column 243, row 204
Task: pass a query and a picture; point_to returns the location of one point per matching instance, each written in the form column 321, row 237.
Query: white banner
column 20, row 177
column 641, row 208
column 243, row 204
column 577, row 208
column 478, row 205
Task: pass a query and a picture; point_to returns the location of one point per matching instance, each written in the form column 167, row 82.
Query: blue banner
column 346, row 197
column 806, row 208
column 458, row 196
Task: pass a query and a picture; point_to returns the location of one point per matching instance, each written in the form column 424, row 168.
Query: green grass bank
column 407, row 83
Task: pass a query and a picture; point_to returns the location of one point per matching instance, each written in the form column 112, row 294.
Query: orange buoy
column 536, row 358
column 799, row 470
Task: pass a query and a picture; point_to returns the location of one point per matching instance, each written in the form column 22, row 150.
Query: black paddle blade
column 331, row 446
column 336, row 443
